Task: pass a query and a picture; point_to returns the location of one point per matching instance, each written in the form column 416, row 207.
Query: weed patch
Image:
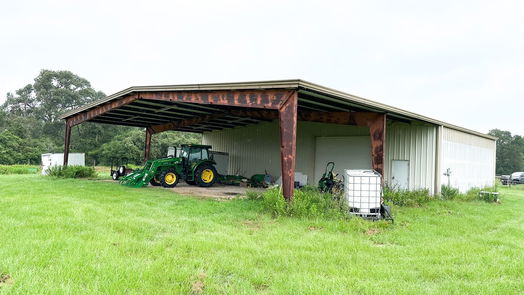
column 307, row 202
column 406, row 198
column 71, row 171
column 5, row 279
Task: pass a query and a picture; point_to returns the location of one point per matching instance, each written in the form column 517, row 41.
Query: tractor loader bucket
column 135, row 179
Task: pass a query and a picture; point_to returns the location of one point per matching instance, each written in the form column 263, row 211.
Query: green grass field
column 63, row 236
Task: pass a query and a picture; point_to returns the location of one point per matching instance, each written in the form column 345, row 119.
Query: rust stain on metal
column 147, row 146
column 264, row 99
column 175, row 125
column 102, row 109
column 67, row 141
column 288, row 143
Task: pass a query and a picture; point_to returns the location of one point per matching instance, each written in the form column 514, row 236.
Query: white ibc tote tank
column 363, row 192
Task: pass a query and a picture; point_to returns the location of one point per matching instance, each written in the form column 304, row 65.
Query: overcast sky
column 457, row 61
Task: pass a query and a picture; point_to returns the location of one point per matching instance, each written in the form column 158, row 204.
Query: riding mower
column 193, row 165
column 121, row 169
column 329, row 183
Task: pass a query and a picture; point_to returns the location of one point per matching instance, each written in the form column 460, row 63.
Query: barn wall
column 415, row 143
column 255, row 148
column 470, row 158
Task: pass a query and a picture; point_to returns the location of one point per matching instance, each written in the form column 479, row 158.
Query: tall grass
column 71, row 171
column 307, row 202
column 18, row 169
column 414, row 198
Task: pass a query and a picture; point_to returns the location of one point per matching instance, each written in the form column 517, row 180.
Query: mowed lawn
column 86, row 236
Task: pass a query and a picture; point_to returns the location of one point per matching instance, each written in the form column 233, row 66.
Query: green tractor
column 193, row 164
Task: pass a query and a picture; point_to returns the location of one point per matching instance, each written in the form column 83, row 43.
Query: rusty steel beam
column 175, row 125
column 287, row 118
column 377, row 130
column 262, row 99
column 102, row 109
column 147, row 146
column 67, row 141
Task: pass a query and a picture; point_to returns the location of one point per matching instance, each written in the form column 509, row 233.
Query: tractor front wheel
column 115, row 175
column 169, row 178
column 205, row 175
column 154, row 181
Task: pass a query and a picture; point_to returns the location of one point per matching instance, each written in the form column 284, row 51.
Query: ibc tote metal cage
column 363, row 194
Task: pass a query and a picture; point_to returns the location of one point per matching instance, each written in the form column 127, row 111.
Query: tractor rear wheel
column 205, row 175
column 169, row 178
column 115, row 175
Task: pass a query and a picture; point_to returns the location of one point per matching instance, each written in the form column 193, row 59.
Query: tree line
column 510, row 152
column 30, row 125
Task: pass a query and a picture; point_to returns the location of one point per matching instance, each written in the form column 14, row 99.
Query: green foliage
column 10, row 147
column 18, row 169
column 406, row 198
column 473, row 194
column 130, row 145
column 71, row 171
column 449, row 192
column 510, row 152
column 30, row 125
column 307, row 202
column 253, row 195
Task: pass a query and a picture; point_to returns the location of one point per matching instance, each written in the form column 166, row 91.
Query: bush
column 406, row 198
column 71, row 171
column 307, row 202
column 18, row 169
column 449, row 192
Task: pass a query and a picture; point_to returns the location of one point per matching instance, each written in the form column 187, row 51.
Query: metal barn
column 290, row 126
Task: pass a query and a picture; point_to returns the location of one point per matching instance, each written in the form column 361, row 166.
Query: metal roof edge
column 274, row 84
column 387, row 108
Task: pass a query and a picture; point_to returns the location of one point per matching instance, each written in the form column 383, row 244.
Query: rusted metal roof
column 311, row 97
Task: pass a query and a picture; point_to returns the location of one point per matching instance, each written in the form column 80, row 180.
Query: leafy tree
column 130, row 145
column 30, row 125
column 60, row 91
column 23, row 104
column 510, row 152
column 10, row 146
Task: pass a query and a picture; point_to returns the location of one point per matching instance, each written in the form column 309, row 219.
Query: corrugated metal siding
column 253, row 149
column 415, row 143
column 470, row 158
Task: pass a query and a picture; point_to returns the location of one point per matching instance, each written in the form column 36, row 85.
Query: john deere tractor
column 193, row 164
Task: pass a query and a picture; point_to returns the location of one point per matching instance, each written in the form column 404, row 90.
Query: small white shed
column 57, row 159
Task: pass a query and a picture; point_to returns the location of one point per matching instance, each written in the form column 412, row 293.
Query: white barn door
column 400, row 174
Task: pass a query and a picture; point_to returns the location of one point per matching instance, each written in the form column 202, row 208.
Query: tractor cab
column 195, row 152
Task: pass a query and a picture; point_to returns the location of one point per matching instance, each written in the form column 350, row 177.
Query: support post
column 377, row 130
column 287, row 117
column 147, row 147
column 67, row 141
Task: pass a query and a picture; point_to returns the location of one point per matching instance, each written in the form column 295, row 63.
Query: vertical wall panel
column 470, row 158
column 414, row 143
column 256, row 148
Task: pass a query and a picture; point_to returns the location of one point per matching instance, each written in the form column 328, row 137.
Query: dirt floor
column 219, row 191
